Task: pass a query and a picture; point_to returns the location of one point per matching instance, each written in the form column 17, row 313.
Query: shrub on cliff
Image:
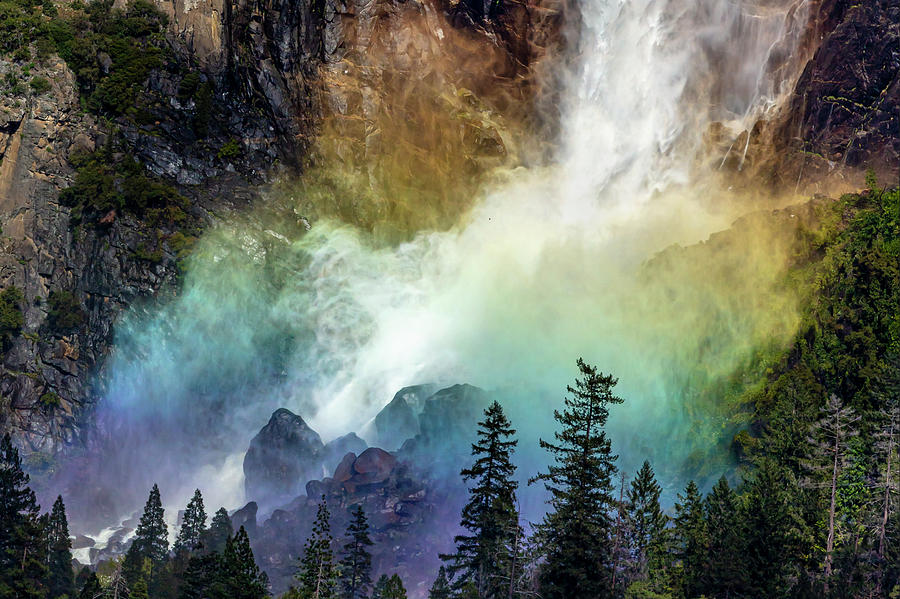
column 11, row 317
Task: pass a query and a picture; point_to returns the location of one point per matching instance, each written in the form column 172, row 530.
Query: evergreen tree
column 151, row 541
column 317, row 578
column 576, row 531
column 61, row 579
column 483, row 556
column 139, row 589
column 242, row 577
column 214, row 538
column 691, row 541
column 389, row 588
column 203, row 578
column 768, row 530
column 646, row 522
column 724, row 572
column 193, row 525
column 22, row 543
column 91, row 588
column 356, row 565
column 441, row 587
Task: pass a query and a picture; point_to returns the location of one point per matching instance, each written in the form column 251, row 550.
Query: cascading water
column 544, row 269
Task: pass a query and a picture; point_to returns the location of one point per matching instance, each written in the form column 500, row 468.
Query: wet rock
column 282, row 457
column 336, row 449
column 246, row 517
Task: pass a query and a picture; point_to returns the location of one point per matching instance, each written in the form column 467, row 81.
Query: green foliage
column 441, row 587
column 150, row 544
column 23, row 548
column 356, row 565
column 577, row 530
column 112, row 53
column 61, row 579
column 389, row 588
column 483, row 557
column 39, row 85
column 11, row 317
column 50, row 400
column 21, row 23
column 65, row 312
column 645, row 523
column 193, row 526
column 230, row 150
column 317, row 575
column 108, row 181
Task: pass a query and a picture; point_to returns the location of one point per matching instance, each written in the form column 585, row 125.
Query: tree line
column 827, row 527
column 822, row 522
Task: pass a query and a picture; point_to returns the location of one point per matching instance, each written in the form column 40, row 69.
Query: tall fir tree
column 23, row 547
column 768, row 527
column 441, row 587
column 91, row 588
column 193, row 525
column 242, row 576
column 150, row 544
column 214, row 538
column 317, row 577
column 576, row 531
column 724, row 572
column 356, row 564
column 389, row 588
column 483, row 557
column 691, row 540
column 646, row 522
column 61, row 578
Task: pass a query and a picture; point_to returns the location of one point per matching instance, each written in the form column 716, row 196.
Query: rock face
column 846, row 106
column 398, row 421
column 282, row 457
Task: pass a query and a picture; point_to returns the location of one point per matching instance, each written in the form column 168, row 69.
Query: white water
column 542, row 271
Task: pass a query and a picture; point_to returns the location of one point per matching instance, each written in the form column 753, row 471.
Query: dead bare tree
column 828, row 438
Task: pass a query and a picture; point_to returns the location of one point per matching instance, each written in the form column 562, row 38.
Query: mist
column 580, row 257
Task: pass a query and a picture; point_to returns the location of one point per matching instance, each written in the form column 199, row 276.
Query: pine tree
column 91, row 588
column 317, row 578
column 389, row 588
column 441, row 587
column 724, row 573
column 192, row 526
column 768, row 529
column 356, row 565
column 482, row 558
column 214, row 538
column 204, row 577
column 242, row 577
column 139, row 589
column 576, row 531
column 646, row 521
column 61, row 579
column 22, row 543
column 151, row 541
column 691, row 540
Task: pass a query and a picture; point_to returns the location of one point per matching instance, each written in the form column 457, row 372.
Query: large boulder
column 398, row 420
column 282, row 457
column 336, row 449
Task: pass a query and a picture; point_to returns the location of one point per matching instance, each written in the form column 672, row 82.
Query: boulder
column 398, row 421
column 336, row 449
column 282, row 457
